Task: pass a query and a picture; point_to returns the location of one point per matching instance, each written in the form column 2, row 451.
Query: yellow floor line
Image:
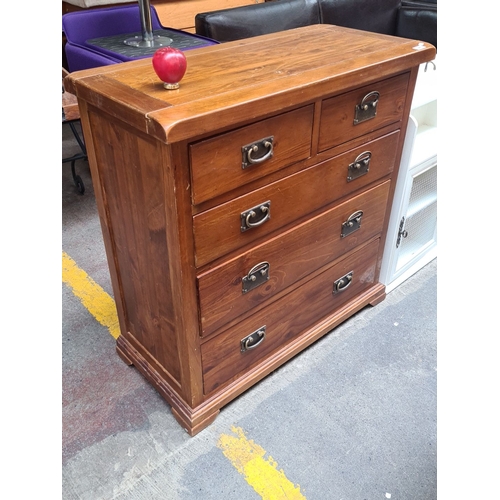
column 99, row 303
column 260, row 473
column 247, row 457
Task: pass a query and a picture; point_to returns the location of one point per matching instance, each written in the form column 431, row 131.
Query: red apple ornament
column 170, row 65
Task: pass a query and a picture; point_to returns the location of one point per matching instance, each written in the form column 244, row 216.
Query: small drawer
column 361, row 111
column 225, row 228
column 241, row 156
column 258, row 274
column 239, row 349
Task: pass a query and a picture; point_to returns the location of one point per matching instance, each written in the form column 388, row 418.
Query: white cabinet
column 412, row 236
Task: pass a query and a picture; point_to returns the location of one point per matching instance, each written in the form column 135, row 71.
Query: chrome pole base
column 157, row 41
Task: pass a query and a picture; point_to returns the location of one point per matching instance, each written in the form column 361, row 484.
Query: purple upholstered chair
column 95, row 37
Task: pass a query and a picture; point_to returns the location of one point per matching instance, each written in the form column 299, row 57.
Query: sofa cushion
column 257, row 19
column 418, row 20
column 379, row 16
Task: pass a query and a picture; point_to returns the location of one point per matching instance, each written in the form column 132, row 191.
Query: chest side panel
column 132, row 184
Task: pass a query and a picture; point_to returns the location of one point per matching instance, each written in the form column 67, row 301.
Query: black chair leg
column 79, row 156
column 76, row 178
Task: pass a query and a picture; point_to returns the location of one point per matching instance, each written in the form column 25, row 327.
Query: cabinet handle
column 263, row 145
column 360, row 166
column 342, row 283
column 258, row 275
column 367, row 108
column 353, row 223
column 253, row 340
column 403, row 233
column 248, row 216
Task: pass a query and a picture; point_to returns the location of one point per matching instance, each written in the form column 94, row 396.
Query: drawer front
column 238, row 157
column 253, row 277
column 338, row 114
column 220, row 230
column 301, row 309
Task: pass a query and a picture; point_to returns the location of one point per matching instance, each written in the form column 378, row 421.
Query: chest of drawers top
column 228, row 84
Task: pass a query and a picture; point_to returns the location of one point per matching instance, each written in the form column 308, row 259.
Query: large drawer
column 258, row 274
column 340, row 113
column 230, row 353
column 223, row 229
column 228, row 161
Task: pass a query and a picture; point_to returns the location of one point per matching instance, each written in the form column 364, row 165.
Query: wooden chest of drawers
column 244, row 214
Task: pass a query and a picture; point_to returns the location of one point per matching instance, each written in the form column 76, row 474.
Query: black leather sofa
column 415, row 19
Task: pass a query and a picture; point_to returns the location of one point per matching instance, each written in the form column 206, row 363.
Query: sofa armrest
column 256, row 19
column 80, row 57
column 418, row 20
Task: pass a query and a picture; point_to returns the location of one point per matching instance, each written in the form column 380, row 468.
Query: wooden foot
column 193, row 428
column 378, row 298
column 124, row 356
column 193, row 420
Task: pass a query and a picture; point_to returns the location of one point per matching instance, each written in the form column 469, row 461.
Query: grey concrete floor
column 353, row 417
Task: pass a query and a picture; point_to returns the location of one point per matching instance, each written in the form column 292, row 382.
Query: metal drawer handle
column 360, row 166
column 362, row 159
column 353, row 223
column 262, row 268
column 253, row 340
column 367, row 108
column 250, row 150
column 252, row 214
column 258, row 275
column 255, row 148
column 248, row 216
column 342, row 283
column 370, row 99
column 354, row 218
